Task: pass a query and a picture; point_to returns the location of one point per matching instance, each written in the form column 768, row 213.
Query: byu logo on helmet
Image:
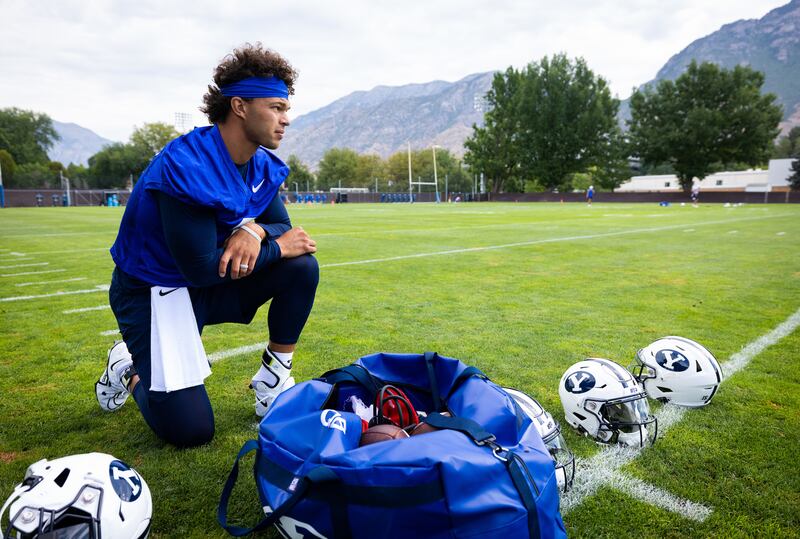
column 579, row 382
column 672, row 360
column 126, row 482
column 333, row 420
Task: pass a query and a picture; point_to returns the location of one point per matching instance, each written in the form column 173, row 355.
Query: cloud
column 112, row 65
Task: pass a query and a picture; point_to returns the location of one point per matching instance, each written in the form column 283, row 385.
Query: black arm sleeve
column 275, row 220
column 191, row 236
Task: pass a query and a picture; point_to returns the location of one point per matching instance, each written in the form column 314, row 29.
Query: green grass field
column 520, row 290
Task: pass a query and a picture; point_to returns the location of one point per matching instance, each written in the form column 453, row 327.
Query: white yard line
column 16, row 258
column 109, row 332
column 87, row 309
column 52, row 282
column 26, row 265
column 603, row 469
column 539, row 242
column 98, row 288
column 31, row 273
column 71, row 251
column 249, row 349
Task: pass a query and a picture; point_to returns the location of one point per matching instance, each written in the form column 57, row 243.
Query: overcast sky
column 114, row 65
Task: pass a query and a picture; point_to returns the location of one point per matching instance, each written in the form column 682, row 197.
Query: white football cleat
column 112, row 387
column 266, row 393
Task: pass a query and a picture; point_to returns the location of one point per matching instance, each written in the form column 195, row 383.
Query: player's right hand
column 296, row 242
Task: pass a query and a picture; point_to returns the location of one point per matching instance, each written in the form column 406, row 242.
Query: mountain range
column 386, row 119
column 77, row 144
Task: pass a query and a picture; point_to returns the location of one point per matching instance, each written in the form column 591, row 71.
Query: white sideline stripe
column 653, row 495
column 109, row 332
column 31, row 273
column 603, row 468
column 60, row 234
column 540, row 242
column 98, row 288
column 26, row 265
column 224, row 354
column 71, row 251
column 53, row 282
column 15, row 258
column 781, row 234
column 87, row 309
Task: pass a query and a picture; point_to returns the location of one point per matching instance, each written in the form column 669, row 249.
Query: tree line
column 551, row 125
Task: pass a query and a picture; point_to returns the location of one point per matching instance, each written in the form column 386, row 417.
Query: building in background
column 773, row 179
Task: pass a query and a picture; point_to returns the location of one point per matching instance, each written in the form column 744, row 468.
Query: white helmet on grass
column 603, row 400
column 550, row 431
column 679, row 371
column 80, row 496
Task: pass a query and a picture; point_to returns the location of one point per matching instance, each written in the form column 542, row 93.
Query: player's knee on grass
column 304, row 270
column 183, row 418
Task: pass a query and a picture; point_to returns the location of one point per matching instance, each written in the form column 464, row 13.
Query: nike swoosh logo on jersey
column 257, row 187
column 163, row 293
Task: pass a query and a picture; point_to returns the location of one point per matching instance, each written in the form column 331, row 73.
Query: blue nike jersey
column 196, row 169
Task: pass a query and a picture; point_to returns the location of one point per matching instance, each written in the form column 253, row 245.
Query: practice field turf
column 522, row 291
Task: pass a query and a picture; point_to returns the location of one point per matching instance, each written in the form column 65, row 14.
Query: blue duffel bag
column 484, row 473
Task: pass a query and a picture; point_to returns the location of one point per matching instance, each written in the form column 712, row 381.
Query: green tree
column 567, row 119
column 547, row 122
column 493, row 149
column 300, row 174
column 26, row 135
column 369, row 168
column 114, row 165
column 706, row 116
column 33, row 176
column 788, row 146
column 7, row 166
column 78, row 176
column 337, row 165
column 794, row 178
column 152, row 137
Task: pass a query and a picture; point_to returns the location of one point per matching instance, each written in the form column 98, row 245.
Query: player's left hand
column 241, row 252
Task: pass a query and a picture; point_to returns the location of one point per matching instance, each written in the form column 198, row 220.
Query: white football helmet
column 678, row 370
column 603, row 400
column 87, row 496
column 550, row 431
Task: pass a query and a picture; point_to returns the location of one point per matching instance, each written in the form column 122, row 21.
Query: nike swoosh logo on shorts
column 163, row 293
column 257, row 187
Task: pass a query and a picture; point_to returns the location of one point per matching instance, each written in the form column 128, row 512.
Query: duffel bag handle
column 318, row 475
column 354, row 373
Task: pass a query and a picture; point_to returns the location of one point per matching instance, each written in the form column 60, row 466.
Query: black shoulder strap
column 430, row 358
column 318, row 476
column 354, row 373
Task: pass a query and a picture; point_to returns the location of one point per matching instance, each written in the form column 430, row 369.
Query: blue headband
column 256, row 87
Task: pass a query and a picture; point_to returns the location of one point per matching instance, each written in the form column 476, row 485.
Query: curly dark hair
column 244, row 62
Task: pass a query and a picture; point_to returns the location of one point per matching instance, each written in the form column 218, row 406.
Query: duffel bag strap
column 318, row 476
column 461, row 378
column 354, row 373
column 471, row 428
column 517, row 469
column 430, row 357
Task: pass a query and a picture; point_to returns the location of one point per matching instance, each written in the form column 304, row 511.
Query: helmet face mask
column 603, row 401
column 550, row 431
column 67, row 522
column 678, row 371
column 79, row 497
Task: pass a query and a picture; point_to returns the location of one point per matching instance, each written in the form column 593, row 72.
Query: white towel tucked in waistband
column 177, row 357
